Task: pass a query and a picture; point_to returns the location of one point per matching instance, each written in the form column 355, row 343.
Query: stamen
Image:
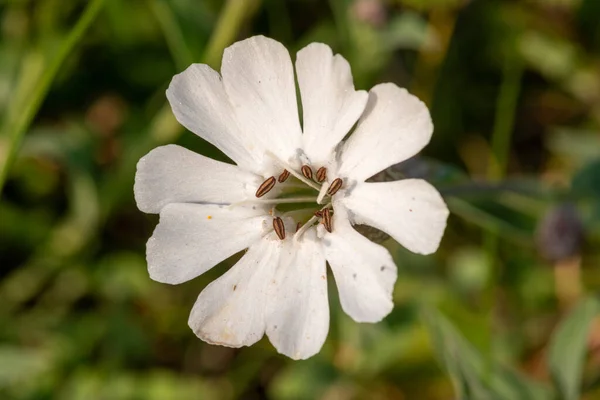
column 265, row 187
column 335, row 186
column 308, row 224
column 284, row 175
column 322, row 193
column 321, row 174
column 298, row 226
column 304, row 227
column 307, row 171
column 318, row 214
column 300, row 177
column 327, row 220
column 279, row 227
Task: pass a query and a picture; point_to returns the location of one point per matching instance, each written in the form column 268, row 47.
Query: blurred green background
column 504, row 310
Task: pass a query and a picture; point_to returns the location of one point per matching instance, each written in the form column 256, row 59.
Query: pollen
column 209, row 217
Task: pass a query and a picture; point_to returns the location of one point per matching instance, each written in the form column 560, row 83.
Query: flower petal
column 200, row 103
column 364, row 272
column 259, row 79
column 394, row 127
column 298, row 310
column 330, row 105
column 192, row 238
column 231, row 310
column 173, row 174
column 411, row 211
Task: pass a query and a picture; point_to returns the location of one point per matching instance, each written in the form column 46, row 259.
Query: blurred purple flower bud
column 560, row 233
column 370, row 11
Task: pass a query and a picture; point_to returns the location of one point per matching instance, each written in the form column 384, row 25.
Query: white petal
column 200, row 103
column 364, row 271
column 394, row 127
column 173, row 174
column 298, row 310
column 259, row 79
column 330, row 105
column 411, row 211
column 192, row 238
column 231, row 310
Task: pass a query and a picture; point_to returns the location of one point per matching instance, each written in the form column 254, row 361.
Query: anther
column 307, row 171
column 298, row 226
column 265, row 187
column 284, row 175
column 279, row 227
column 327, row 220
column 321, row 174
column 319, row 214
column 335, row 186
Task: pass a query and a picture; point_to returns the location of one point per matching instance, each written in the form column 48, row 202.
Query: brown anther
column 265, row 187
column 298, row 226
column 318, row 213
column 327, row 220
column 335, row 186
column 279, row 227
column 284, row 175
column 321, row 174
column 307, row 171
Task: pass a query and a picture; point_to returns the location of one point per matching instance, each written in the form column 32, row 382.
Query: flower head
column 210, row 210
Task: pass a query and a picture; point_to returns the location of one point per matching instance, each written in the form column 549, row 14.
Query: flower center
column 293, row 199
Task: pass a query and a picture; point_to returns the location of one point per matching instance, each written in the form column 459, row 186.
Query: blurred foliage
column 514, row 92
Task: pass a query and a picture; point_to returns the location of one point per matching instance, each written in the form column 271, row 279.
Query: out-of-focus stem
column 172, row 31
column 506, row 106
column 234, row 13
column 567, row 281
column 430, row 60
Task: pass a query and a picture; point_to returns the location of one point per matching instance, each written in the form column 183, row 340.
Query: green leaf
column 587, row 181
column 568, row 348
column 472, row 376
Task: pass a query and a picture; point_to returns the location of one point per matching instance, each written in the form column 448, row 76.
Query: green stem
column 504, row 119
column 173, row 35
column 231, row 18
column 13, row 131
column 500, row 148
column 491, row 224
column 339, row 10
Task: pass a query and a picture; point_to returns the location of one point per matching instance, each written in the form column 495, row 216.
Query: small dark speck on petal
column 354, row 276
column 234, row 287
column 274, row 326
column 382, row 268
column 410, row 209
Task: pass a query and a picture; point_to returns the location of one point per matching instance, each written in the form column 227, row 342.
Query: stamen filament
column 290, row 200
column 304, row 227
column 308, row 224
column 291, row 170
column 322, row 192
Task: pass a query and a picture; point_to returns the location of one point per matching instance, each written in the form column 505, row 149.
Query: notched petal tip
column 220, row 339
column 412, row 211
column 259, row 41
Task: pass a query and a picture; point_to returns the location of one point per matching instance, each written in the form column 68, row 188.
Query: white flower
column 210, row 210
